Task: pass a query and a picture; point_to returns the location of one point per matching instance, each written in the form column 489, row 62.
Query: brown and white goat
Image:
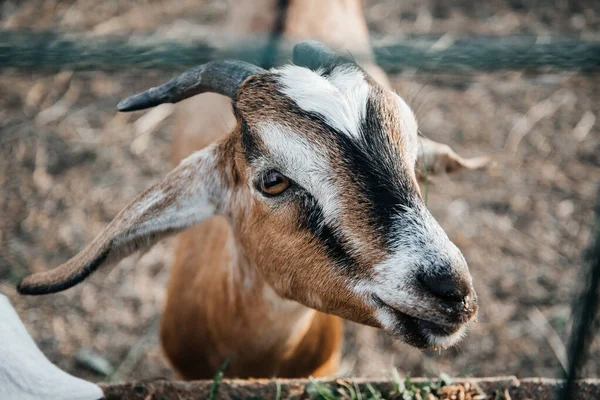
column 302, row 207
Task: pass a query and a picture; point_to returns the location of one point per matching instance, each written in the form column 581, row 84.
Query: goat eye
column 273, row 183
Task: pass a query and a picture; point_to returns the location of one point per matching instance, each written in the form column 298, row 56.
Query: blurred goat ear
column 436, row 158
column 192, row 192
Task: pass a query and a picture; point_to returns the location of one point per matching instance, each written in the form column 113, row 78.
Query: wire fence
column 52, row 51
column 585, row 307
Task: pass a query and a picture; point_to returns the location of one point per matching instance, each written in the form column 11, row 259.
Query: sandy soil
column 68, row 163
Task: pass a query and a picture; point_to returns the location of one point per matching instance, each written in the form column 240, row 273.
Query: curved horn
column 312, row 54
column 223, row 77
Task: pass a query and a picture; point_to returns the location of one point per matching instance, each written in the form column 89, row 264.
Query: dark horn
column 313, row 55
column 223, row 77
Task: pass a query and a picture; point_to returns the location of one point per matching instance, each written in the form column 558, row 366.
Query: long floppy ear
column 192, row 192
column 435, row 158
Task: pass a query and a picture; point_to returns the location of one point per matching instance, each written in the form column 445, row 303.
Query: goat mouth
column 419, row 332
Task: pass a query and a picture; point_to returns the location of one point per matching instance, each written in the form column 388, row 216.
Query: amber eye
column 273, row 183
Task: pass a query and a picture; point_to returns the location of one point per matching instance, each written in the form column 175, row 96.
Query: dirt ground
column 69, row 162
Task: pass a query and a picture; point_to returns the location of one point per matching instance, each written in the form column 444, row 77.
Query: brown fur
column 216, row 315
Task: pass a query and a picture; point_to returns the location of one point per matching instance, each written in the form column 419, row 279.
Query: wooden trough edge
column 527, row 388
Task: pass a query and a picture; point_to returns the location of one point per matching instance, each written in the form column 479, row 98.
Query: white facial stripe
column 409, row 129
column 340, row 98
column 304, row 163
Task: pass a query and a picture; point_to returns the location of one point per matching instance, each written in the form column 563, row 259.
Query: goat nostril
column 445, row 287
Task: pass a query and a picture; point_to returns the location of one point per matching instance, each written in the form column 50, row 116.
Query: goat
column 299, row 189
column 26, row 374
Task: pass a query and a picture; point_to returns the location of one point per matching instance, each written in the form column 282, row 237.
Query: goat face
column 329, row 208
column 318, row 181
